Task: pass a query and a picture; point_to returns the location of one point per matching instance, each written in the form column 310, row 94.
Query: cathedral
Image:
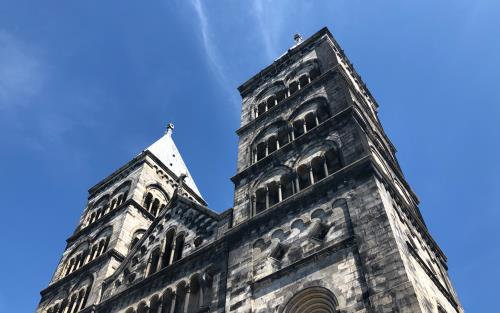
column 323, row 219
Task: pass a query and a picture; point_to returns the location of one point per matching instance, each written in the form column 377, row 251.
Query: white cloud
column 268, row 24
column 21, row 71
column 210, row 49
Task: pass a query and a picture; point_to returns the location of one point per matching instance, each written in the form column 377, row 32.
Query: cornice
column 337, row 246
column 254, row 167
column 353, row 169
column 421, row 227
column 110, row 253
column 433, row 277
column 246, row 87
column 104, row 183
column 86, row 230
column 287, row 101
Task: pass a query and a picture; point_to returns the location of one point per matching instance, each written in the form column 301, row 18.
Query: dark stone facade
column 323, row 219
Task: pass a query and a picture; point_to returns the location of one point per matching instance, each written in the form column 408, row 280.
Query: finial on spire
column 170, row 129
column 298, row 38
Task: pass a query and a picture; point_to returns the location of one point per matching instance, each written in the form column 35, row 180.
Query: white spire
column 166, row 151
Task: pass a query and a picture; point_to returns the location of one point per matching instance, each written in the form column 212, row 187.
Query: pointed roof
column 166, row 151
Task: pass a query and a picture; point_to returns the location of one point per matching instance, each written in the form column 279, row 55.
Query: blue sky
column 86, row 85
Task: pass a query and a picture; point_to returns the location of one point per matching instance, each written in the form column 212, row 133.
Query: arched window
column 166, row 301
column 280, row 95
column 167, row 252
column 310, row 121
column 194, row 295
column 260, row 200
column 206, row 289
column 70, row 266
column 312, row 299
column 314, row 73
column 180, row 299
column 318, row 168
column 120, row 199
column 304, row 176
column 153, row 263
column 283, row 136
column 93, row 252
column 303, row 80
column 286, row 186
column 261, row 108
column 261, row 150
column 271, row 101
column 294, row 87
column 333, row 163
column 106, row 208
column 80, row 302
column 155, row 207
column 272, row 144
column 273, row 193
column 136, row 237
column 154, row 304
column 142, row 307
column 148, row 200
column 179, row 247
column 298, row 128
column 322, row 114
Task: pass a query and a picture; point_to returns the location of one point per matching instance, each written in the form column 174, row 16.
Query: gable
column 182, row 228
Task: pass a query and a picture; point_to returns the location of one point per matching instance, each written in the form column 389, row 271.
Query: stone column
column 311, row 176
column 297, row 184
column 280, row 196
column 253, row 204
column 187, row 297
column 267, row 198
column 325, row 167
column 72, row 305
column 172, row 253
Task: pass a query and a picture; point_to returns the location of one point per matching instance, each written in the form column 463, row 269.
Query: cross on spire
column 170, row 128
column 298, row 38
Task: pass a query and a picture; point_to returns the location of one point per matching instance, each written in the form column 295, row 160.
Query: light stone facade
column 323, row 218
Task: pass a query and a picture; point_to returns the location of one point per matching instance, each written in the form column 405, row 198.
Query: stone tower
column 323, row 218
column 119, row 210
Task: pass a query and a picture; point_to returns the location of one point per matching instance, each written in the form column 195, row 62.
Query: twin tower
column 323, row 218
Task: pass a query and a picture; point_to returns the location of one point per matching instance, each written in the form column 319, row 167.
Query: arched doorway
column 312, row 300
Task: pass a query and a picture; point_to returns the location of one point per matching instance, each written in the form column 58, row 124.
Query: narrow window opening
column 304, row 177
column 260, row 200
column 286, row 186
column 283, row 137
column 273, row 193
column 179, row 247
column 261, row 150
column 318, row 168
column 272, row 145
column 294, row 87
column 310, row 121
column 333, row 163
column 304, row 81
column 314, row 73
column 298, row 128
